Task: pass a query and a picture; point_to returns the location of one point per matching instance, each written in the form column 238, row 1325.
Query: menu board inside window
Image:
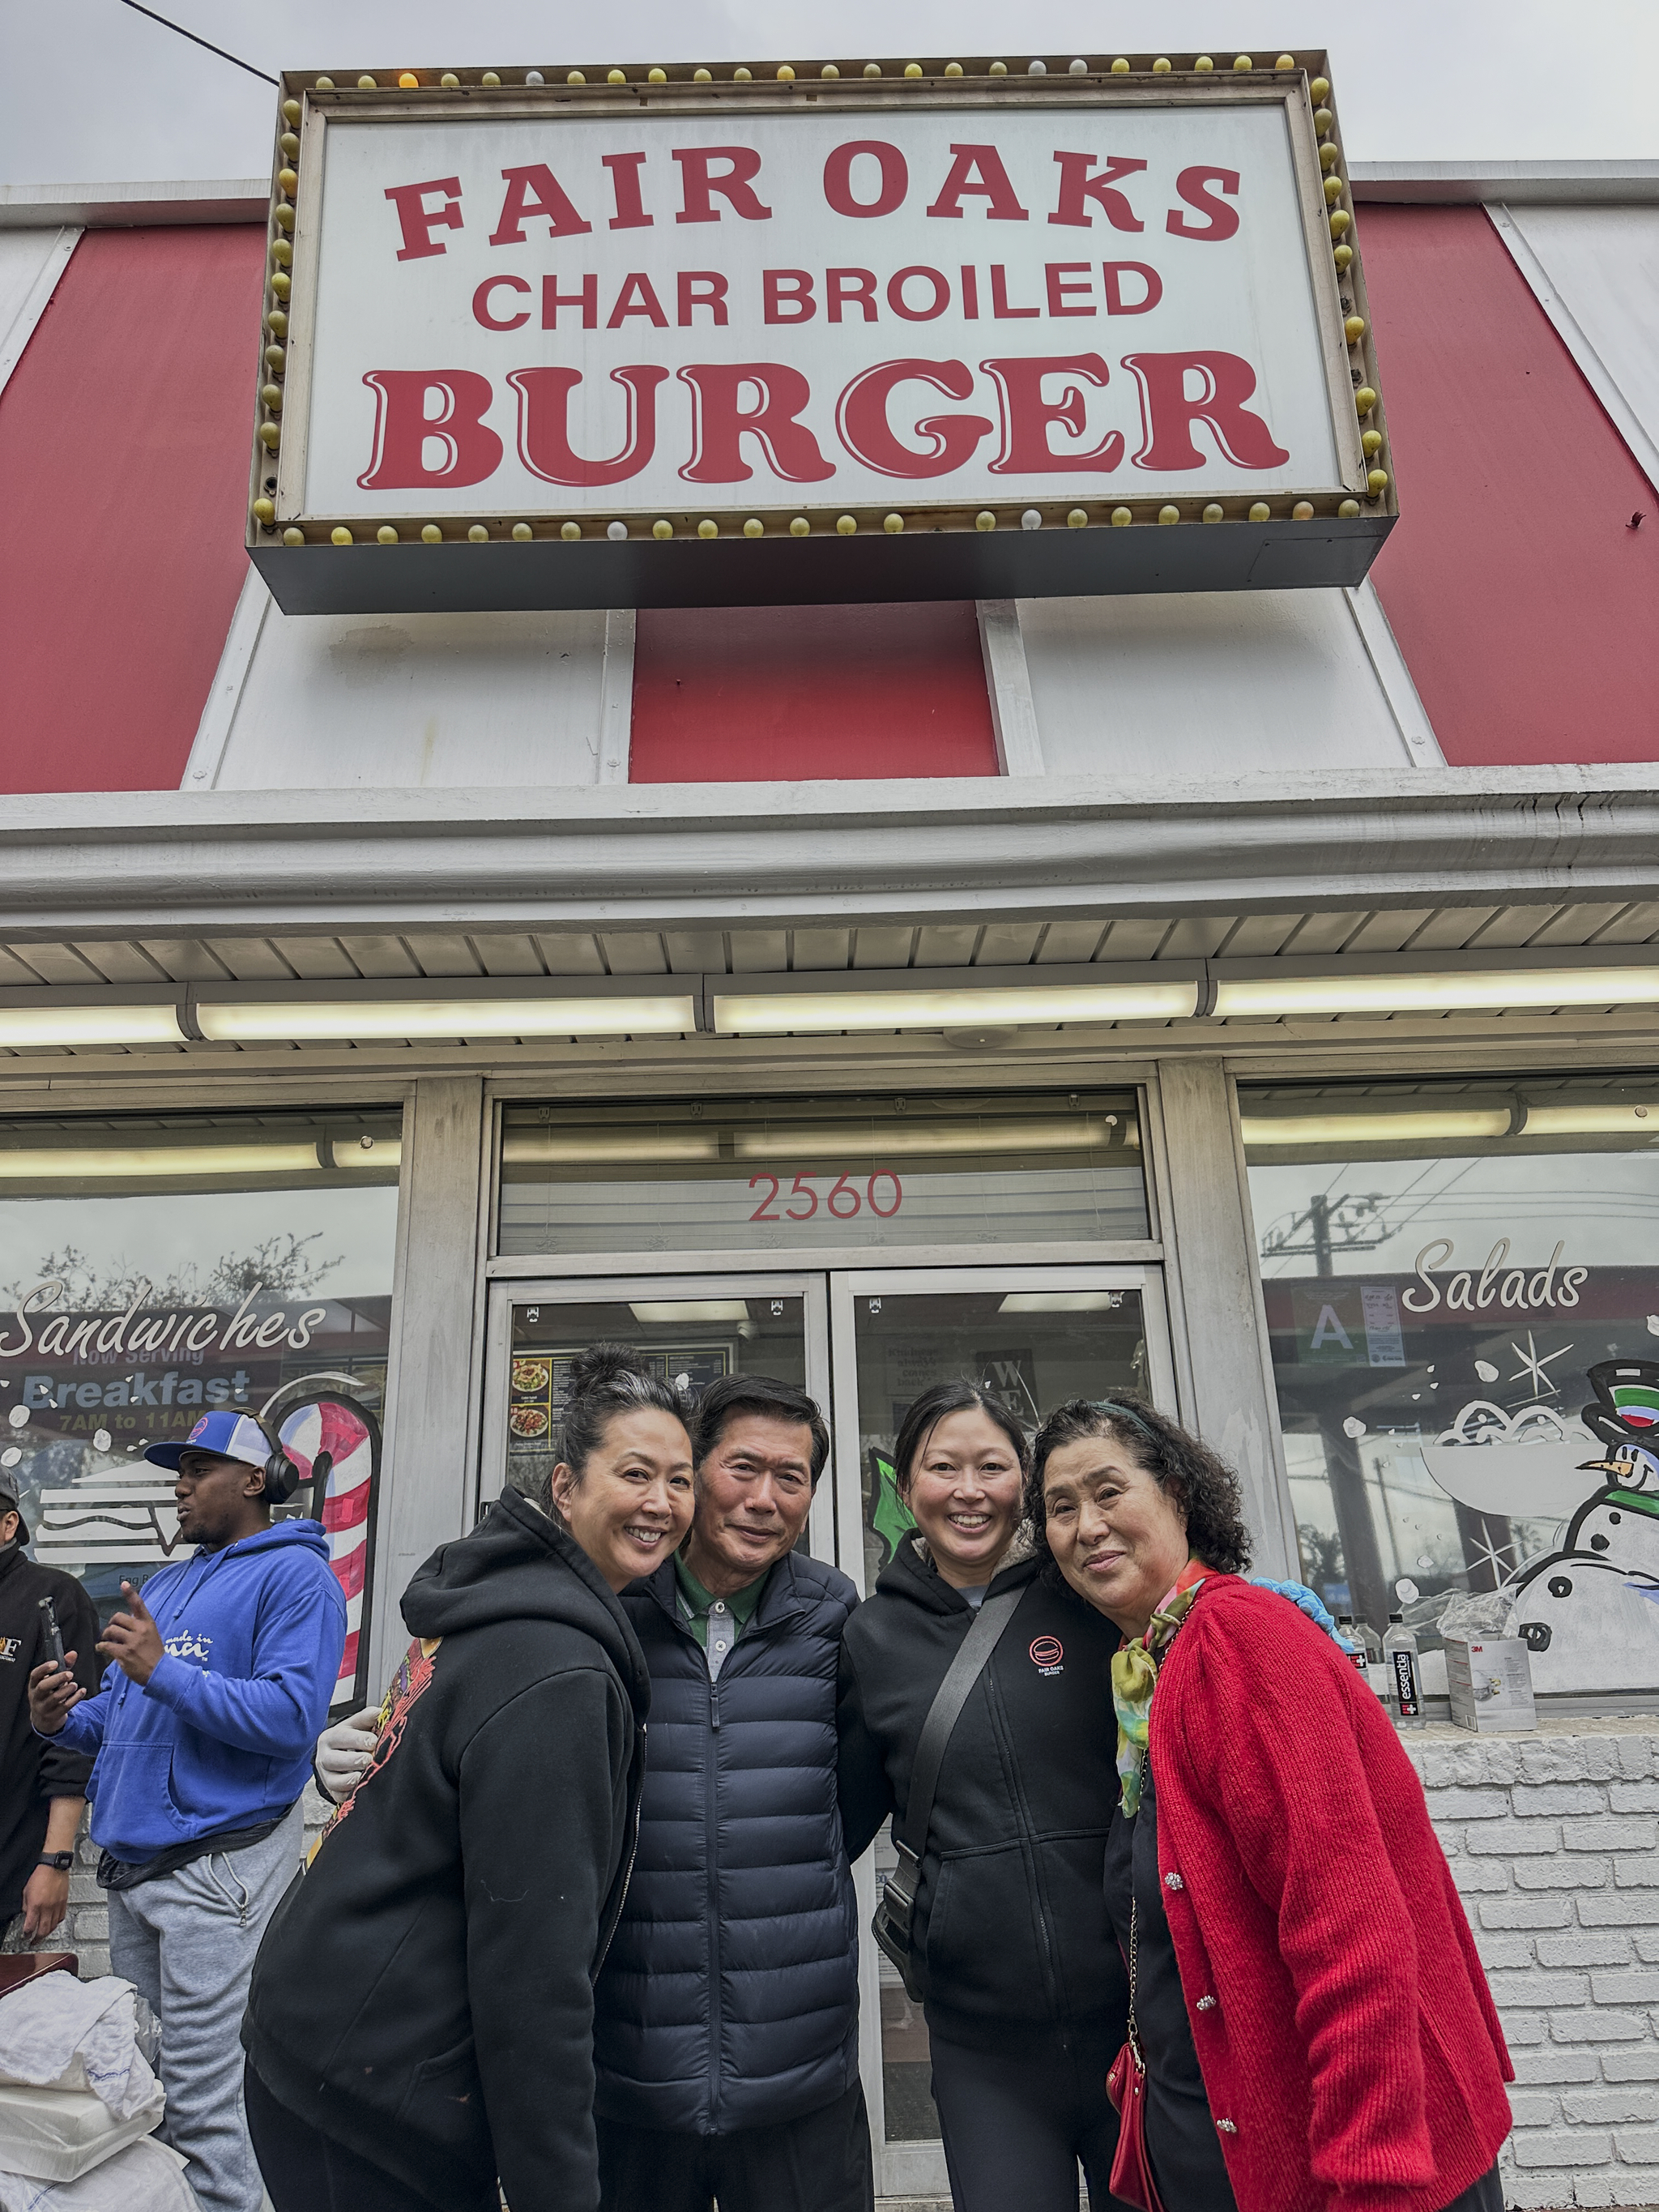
column 691, row 1342
column 154, row 1269
column 797, row 1175
column 1462, row 1285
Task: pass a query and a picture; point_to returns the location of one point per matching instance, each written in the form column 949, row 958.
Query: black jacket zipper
column 711, row 1866
column 1023, row 1814
column 711, row 1848
column 619, row 1892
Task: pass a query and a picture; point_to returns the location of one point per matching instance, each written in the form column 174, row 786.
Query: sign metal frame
column 914, row 548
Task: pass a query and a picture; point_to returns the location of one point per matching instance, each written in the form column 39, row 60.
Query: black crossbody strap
column 911, row 1841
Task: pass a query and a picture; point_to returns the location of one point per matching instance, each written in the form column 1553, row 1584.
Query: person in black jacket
column 421, row 2020
column 1024, row 1986
column 726, row 2037
column 43, row 1786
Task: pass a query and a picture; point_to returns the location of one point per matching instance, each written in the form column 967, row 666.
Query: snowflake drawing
column 1533, row 1363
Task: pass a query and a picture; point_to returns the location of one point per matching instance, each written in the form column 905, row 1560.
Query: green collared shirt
column 716, row 1622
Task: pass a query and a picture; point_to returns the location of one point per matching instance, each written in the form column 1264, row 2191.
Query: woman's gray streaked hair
column 606, row 1380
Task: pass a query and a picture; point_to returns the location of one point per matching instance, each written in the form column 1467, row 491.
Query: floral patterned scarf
column 1134, row 1676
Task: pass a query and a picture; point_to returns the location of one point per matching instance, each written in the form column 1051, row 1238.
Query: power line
column 167, row 25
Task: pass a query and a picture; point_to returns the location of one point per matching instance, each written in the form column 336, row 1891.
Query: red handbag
column 1126, row 2085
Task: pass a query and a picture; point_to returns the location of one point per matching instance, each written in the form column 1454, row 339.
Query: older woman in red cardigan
column 1315, row 2030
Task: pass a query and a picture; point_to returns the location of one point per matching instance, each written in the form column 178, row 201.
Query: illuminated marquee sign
column 580, row 338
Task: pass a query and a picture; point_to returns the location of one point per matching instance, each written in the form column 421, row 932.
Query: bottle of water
column 1349, row 1630
column 1378, row 1673
column 1404, row 1664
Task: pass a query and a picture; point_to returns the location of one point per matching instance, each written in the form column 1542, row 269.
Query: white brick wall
column 1552, row 1840
column 86, row 1929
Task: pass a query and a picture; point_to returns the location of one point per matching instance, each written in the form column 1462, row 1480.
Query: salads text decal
column 1475, row 1289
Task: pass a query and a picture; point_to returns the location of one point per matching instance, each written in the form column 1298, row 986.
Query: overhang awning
column 1347, row 876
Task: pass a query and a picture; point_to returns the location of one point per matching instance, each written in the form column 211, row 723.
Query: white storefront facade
column 1233, row 1032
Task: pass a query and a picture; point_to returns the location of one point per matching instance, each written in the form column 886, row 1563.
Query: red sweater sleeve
column 1270, row 1739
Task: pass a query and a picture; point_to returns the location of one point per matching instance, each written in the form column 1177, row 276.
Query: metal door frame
column 812, row 1288
column 917, row 2169
column 836, row 1529
column 897, row 1281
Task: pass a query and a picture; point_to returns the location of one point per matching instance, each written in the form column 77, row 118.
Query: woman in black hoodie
column 420, row 2020
column 1022, row 1985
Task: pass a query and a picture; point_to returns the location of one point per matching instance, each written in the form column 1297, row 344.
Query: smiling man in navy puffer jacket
column 725, row 2036
column 726, row 2018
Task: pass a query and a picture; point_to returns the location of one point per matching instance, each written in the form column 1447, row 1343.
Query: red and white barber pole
column 350, row 1437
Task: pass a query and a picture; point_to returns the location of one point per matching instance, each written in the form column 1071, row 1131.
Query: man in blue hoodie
column 220, row 1677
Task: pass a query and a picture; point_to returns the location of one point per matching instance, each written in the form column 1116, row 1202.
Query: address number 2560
column 883, row 1193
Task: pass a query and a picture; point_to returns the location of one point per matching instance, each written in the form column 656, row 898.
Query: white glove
column 344, row 1753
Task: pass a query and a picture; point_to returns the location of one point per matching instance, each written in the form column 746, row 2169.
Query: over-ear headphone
column 282, row 1478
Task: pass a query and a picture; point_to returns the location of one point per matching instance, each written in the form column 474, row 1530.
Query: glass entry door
column 693, row 1327
column 1035, row 1337
column 864, row 1345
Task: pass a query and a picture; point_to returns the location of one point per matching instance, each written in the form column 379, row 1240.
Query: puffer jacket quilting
column 730, row 1995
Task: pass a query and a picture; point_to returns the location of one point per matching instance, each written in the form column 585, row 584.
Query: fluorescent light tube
column 626, row 1148
column 1595, row 1120
column 66, row 1164
column 773, row 1013
column 247, row 1021
column 1453, row 991
column 1034, row 1302
column 71, row 1024
column 913, row 1139
column 1449, row 1125
column 679, row 1310
column 383, row 1154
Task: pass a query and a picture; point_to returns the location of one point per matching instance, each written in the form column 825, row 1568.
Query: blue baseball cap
column 225, row 1432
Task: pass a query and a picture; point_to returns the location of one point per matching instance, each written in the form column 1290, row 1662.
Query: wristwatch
column 60, row 1861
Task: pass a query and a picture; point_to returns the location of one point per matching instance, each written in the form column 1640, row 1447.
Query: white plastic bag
column 57, row 2135
column 146, row 2176
column 56, row 2032
column 1477, row 1613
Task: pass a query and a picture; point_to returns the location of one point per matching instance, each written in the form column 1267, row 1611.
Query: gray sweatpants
column 186, row 1942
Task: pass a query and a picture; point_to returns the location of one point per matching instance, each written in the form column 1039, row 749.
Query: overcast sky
column 90, row 91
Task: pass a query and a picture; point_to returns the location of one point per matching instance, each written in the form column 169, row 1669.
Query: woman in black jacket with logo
column 1022, row 1983
column 421, row 2020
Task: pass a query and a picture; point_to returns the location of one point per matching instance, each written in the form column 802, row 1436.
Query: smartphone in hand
column 54, row 1635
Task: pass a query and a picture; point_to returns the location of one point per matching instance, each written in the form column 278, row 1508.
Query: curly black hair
column 1202, row 1486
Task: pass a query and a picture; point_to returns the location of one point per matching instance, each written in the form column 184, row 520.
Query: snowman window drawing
column 1588, row 1610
